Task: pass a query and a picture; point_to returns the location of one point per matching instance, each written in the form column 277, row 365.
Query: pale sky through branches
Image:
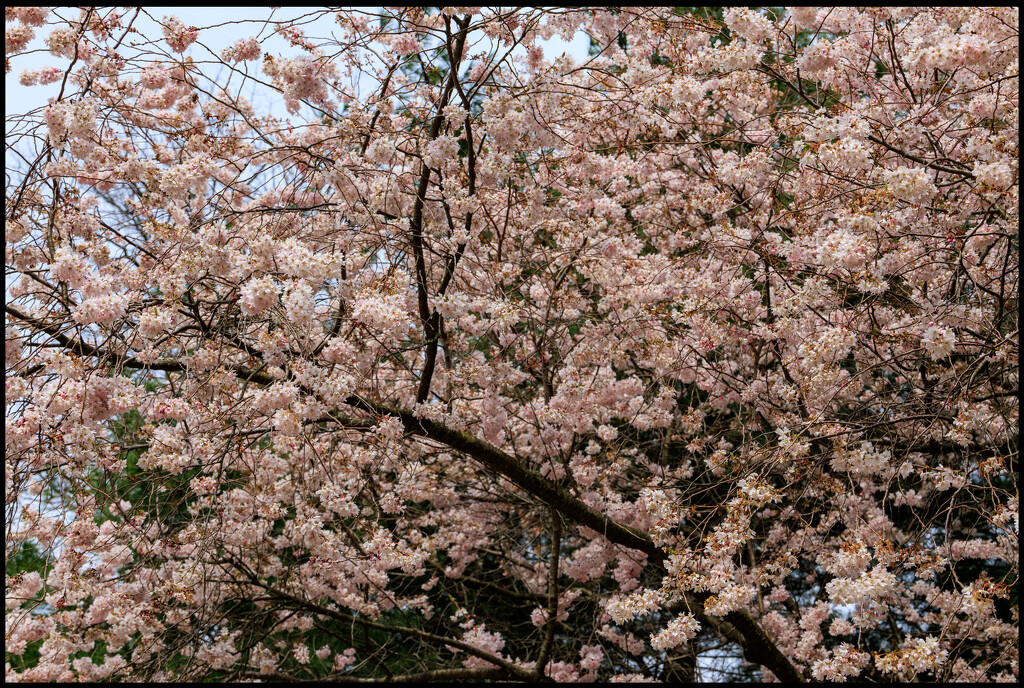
column 221, row 27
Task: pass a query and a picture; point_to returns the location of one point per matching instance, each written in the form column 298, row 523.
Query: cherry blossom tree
column 477, row 362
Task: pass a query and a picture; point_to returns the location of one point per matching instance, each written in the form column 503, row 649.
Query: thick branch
column 910, row 156
column 430, row 322
column 529, row 481
column 81, row 348
column 757, row 645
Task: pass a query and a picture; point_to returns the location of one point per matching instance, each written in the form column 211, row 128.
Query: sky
column 228, row 24
column 220, row 27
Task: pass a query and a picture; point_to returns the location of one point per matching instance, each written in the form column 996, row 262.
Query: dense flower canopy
column 696, row 358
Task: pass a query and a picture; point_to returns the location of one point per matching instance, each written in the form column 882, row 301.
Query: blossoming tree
column 482, row 363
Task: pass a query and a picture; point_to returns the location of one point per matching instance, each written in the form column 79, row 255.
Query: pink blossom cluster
column 916, row 656
column 17, row 37
column 298, row 303
column 625, row 641
column 846, row 662
column 66, row 42
column 997, row 174
column 178, row 36
column 45, row 75
column 176, row 409
column 242, row 50
column 732, row 598
column 104, row 310
column 938, row 341
column 153, row 77
column 912, row 184
column 849, row 562
column 71, row 267
column 279, row 395
column 865, row 459
column 748, row 24
column 441, row 149
column 679, row 631
column 32, row 16
column 188, row 176
column 301, row 78
column 624, row 607
column 71, row 119
column 405, row 44
column 258, row 294
column 155, row 322
column 479, row 637
column 591, row 658
column 384, row 313
column 344, row 659
column 871, row 585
